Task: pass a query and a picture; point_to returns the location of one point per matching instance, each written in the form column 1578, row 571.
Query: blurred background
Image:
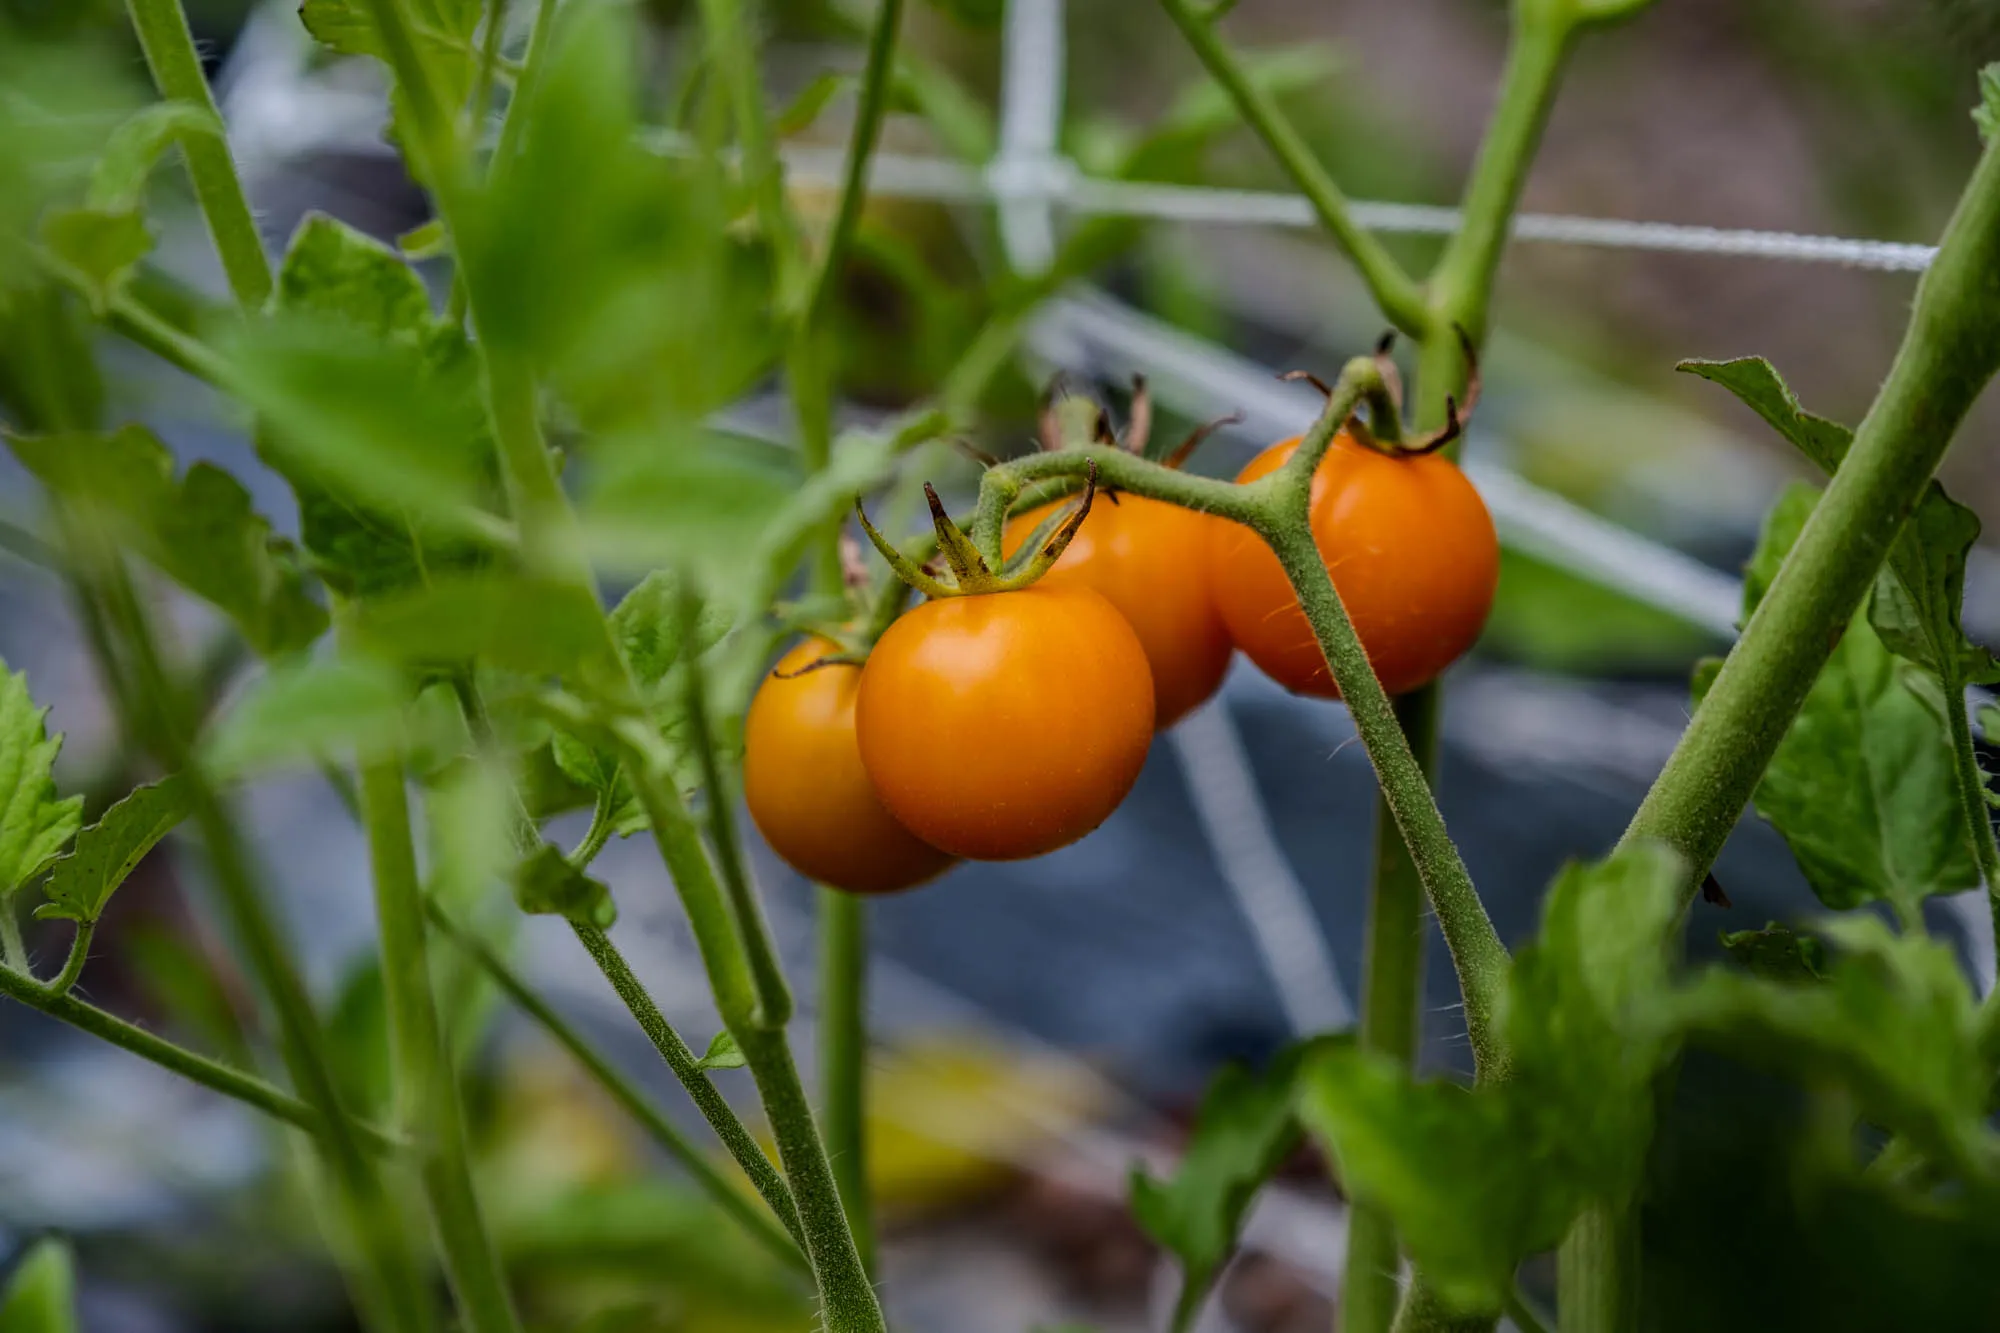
column 1044, row 1027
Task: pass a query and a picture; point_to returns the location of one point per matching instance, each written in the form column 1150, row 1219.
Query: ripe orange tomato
column 1412, row 553
column 806, row 788
column 1005, row 725
column 1149, row 559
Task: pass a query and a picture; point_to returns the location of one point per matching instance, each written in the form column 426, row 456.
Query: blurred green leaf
column 722, row 1053
column 696, row 499
column 632, row 297
column 103, row 246
column 41, row 1292
column 813, row 99
column 443, row 30
column 321, row 709
column 357, row 1036
column 1777, row 953
column 1861, row 787
column 1555, row 620
column 82, row 880
column 1987, row 114
column 35, row 823
column 1246, row 1127
column 427, row 241
column 508, row 621
column 1477, row 1179
column 972, row 13
column 49, row 379
column 201, row 531
column 1892, row 1020
column 59, row 108
column 650, row 627
column 546, row 884
column 472, row 835
column 1764, row 391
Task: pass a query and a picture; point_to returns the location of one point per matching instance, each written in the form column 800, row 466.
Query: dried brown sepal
column 1454, row 426
column 1139, row 428
column 905, row 568
column 1470, row 352
column 1711, row 891
column 1048, row 420
column 853, row 566
column 1392, row 378
column 1185, row 449
column 1290, row 376
column 967, row 565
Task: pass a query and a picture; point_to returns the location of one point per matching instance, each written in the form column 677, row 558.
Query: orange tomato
column 1005, row 725
column 1151, row 560
column 1412, row 552
column 807, row 790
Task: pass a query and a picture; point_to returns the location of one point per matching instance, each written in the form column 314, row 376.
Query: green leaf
column 471, row 835
column 347, row 27
column 545, row 883
column 1892, row 1020
column 722, row 1053
column 35, row 823
column 1777, row 953
column 201, row 532
column 82, row 880
column 813, row 99
column 427, row 241
column 650, row 627
column 506, row 621
column 1862, row 786
column 104, row 246
column 41, row 1293
column 698, row 501
column 1763, row 391
column 1987, row 114
column 1244, row 1130
column 1917, row 598
column 326, row 709
column 1916, row 604
column 1476, row 1180
column 343, row 25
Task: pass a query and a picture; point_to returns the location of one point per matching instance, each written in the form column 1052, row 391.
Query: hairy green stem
column 369, row 1214
column 1970, row 784
column 1949, row 353
column 686, row 1067
column 426, row 1081
column 843, row 1055
column 1423, row 1312
column 193, row 1066
column 13, row 953
column 1596, row 1272
column 79, row 954
column 780, row 1242
column 1398, row 295
column 169, row 49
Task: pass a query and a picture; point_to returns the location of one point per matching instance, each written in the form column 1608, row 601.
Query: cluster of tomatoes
column 1004, row 725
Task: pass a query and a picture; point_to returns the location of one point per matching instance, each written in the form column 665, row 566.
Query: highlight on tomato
column 1412, row 552
column 999, row 726
column 807, row 789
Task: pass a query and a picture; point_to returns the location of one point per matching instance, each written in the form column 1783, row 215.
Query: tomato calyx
column 969, row 573
column 1069, row 420
column 1382, row 431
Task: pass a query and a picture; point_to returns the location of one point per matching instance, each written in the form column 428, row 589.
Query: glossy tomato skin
column 1006, row 725
column 1412, row 552
column 1151, row 560
column 807, row 790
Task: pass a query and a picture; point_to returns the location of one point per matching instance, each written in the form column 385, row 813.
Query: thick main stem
column 169, row 49
column 1595, row 1290
column 843, row 1055
column 426, row 1081
column 1949, row 353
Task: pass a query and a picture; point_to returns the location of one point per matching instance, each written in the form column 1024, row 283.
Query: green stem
column 735, row 60
column 1596, row 1269
column 169, row 48
column 426, row 1083
column 623, row 1091
column 513, row 120
column 1462, row 286
column 873, row 102
column 1423, row 1312
column 1950, row 351
column 1398, row 295
column 686, row 1067
column 1391, row 1009
column 369, row 1214
column 1970, row 784
column 79, row 954
column 210, row 1073
column 843, row 1055
column 599, row 831
column 13, row 953
column 847, row 1296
